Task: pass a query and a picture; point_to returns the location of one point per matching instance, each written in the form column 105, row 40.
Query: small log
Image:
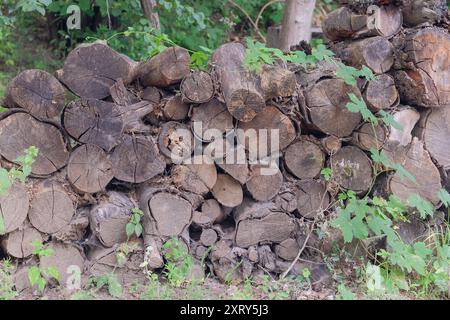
column 91, row 69
column 200, row 221
column 89, row 170
column 18, row 243
column 287, row 249
column 312, row 198
column 370, row 136
column 211, row 115
column 304, row 159
column 436, row 131
column 381, row 93
column 240, row 172
column 109, row 218
column 241, row 94
column 326, row 102
column 331, row 144
column 19, row 131
column 38, row 92
column 407, row 118
column 416, row 12
column 197, row 87
column 361, row 52
column 352, row 169
column 208, row 237
column 423, row 55
column 65, row 258
column 198, row 177
column 166, row 68
column 227, row 191
column 263, row 186
column 152, row 95
column 14, row 207
column 268, row 124
column 51, row 208
column 136, row 160
column 176, row 141
column 213, row 210
column 277, row 82
column 95, row 122
column 175, row 109
column 226, row 267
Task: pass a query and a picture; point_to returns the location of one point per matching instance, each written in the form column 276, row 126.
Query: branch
column 249, row 19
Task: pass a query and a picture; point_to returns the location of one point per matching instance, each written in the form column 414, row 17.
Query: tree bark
column 148, row 6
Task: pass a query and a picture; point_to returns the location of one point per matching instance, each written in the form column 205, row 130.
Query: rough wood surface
column 436, row 135
column 416, row 12
column 197, row 87
column 208, row 237
column 14, row 207
column 277, row 82
column 198, row 177
column 175, row 109
column 312, row 198
column 381, row 93
column 227, row 191
column 304, row 159
column 212, row 115
column 176, row 141
column 370, row 136
column 65, row 258
column 263, row 185
column 213, row 210
column 18, row 243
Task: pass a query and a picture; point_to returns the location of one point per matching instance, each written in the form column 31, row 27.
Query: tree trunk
column 148, row 6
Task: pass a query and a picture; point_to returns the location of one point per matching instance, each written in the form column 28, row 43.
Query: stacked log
column 130, row 139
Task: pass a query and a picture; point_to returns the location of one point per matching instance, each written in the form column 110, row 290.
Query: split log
column 176, row 141
column 136, row 160
column 92, row 68
column 166, row 68
column 240, row 91
column 65, row 258
column 89, row 170
column 133, row 117
column 407, row 118
column 263, row 185
column 208, row 237
column 312, row 198
column 109, row 218
column 152, row 94
column 370, row 136
column 423, row 55
column 304, row 159
column 18, row 243
column 38, row 92
column 51, row 208
column 175, row 109
column 436, row 131
column 19, row 131
column 199, row 177
column 416, row 12
column 227, row 191
column 213, row 210
column 212, row 115
column 381, row 93
column 121, row 95
column 14, row 207
column 362, row 52
column 277, row 82
column 95, row 122
column 197, row 87
column 352, row 169
column 326, row 102
column 270, row 129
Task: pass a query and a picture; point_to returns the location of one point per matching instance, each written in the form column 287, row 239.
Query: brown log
column 241, row 94
column 176, row 141
column 287, row 249
column 51, row 209
column 326, row 102
column 370, row 136
column 199, row 177
column 352, row 169
column 416, row 12
column 14, row 207
column 92, row 68
column 226, row 267
column 166, row 68
column 38, row 92
column 264, row 185
column 175, row 109
column 18, row 243
column 94, row 121
column 304, row 158
column 152, row 94
column 407, row 118
column 136, row 160
column 361, row 52
column 89, row 170
column 277, row 82
column 121, row 95
column 227, row 191
column 213, row 210
column 19, row 131
column 200, row 220
column 109, row 218
column 208, row 237
column 436, row 130
column 312, row 198
column 381, row 93
column 197, row 87
column 331, row 144
column 423, row 55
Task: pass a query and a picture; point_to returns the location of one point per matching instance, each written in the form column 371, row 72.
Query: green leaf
column 389, row 120
column 138, row 230
column 424, row 207
column 5, row 182
column 367, row 73
column 54, row 273
column 344, row 293
column 357, row 105
column 34, row 274
column 444, row 196
column 114, row 287
column 129, row 229
column 322, row 53
column 347, row 73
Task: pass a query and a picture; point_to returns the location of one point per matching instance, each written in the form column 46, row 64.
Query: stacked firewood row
column 114, row 134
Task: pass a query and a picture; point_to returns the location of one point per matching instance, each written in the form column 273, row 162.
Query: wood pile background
column 106, row 127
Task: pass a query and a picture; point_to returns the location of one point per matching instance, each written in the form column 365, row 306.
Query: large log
column 19, row 131
column 240, row 91
column 227, row 191
column 197, row 87
column 381, row 93
column 199, row 177
column 14, row 207
column 263, row 186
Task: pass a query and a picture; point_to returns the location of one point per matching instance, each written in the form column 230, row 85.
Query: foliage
column 326, row 173
column 179, row 263
column 109, row 281
column 134, row 226
column 7, row 291
column 37, row 275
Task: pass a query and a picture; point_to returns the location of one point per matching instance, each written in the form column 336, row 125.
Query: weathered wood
column 370, row 136
column 352, row 169
column 65, row 258
column 304, row 158
column 312, row 198
column 176, row 141
column 94, row 121
column 331, row 144
column 166, row 68
column 242, row 96
column 89, row 169
column 199, row 177
column 152, row 94
column 240, row 172
column 76, row 229
column 14, row 207
column 277, row 82
column 197, row 87
column 287, row 249
column 326, row 102
column 416, row 12
column 109, row 218
column 406, row 117
column 121, row 95
column 175, row 109
column 263, row 185
column 226, row 267
column 133, row 117
column 208, row 237
column 19, row 131
column 213, row 210
column 51, row 209
column 92, row 68
column 18, row 243
column 423, row 56
column 381, row 93
column 38, row 92
column 136, row 160
column 227, row 191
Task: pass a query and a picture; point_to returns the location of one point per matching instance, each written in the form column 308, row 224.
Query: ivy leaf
column 357, row 105
column 367, row 73
column 34, row 274
column 347, row 73
column 322, row 53
column 424, row 207
column 138, row 230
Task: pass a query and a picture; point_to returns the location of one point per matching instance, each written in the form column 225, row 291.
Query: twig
column 249, row 19
column 284, row 274
column 264, row 7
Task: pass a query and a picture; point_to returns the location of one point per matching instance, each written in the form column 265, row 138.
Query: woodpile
column 129, row 139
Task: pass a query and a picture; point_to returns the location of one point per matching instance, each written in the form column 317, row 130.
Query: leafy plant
column 344, row 293
column 37, row 275
column 134, row 227
column 326, row 173
column 7, row 291
column 179, row 263
column 109, row 281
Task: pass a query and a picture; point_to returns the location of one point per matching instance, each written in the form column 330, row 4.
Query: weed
column 38, row 276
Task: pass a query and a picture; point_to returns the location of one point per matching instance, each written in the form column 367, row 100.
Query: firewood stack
column 114, row 134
